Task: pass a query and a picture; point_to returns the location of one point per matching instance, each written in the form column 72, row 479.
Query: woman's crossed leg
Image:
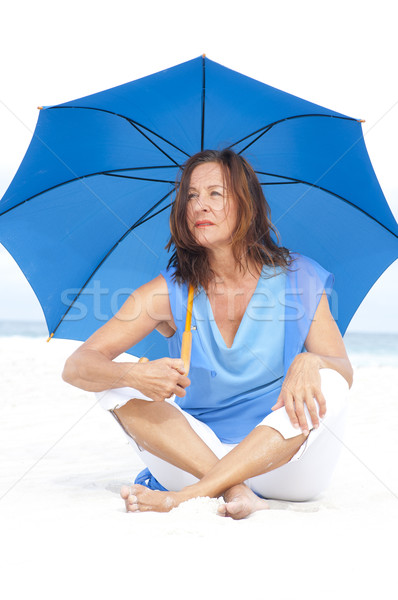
column 186, row 457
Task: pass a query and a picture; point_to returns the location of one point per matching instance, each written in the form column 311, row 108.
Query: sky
column 341, row 55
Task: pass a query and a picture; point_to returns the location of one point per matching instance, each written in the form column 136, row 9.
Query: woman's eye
column 215, row 193
column 190, row 196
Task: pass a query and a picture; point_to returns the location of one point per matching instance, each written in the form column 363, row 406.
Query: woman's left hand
column 302, row 386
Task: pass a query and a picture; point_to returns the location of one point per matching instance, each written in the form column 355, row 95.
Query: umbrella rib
column 293, row 180
column 151, row 141
column 255, row 139
column 142, row 168
column 149, row 212
column 80, row 178
column 153, row 215
column 202, row 133
column 138, row 178
column 280, row 183
column 141, row 220
column 270, row 125
column 110, row 112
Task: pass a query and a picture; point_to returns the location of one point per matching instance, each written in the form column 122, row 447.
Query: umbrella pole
column 186, row 336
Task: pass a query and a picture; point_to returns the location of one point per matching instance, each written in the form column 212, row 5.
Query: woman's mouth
column 203, row 223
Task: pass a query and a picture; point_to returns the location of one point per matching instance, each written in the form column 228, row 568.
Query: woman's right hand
column 160, row 379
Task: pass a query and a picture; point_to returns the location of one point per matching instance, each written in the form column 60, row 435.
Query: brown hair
column 251, row 240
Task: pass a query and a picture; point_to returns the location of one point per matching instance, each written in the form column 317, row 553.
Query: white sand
column 65, row 532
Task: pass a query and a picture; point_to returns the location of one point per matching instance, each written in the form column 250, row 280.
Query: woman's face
column 211, row 211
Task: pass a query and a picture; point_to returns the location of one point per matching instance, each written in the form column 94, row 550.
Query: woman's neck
column 228, row 272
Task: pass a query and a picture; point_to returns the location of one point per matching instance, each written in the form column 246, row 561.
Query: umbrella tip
column 40, row 108
column 361, row 121
column 50, row 337
column 203, row 55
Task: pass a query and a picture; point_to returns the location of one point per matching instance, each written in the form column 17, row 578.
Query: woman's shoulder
column 169, row 276
column 306, row 271
column 168, row 272
column 154, row 293
column 302, row 261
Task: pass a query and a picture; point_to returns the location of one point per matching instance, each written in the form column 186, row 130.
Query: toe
column 222, row 510
column 132, row 500
column 237, row 509
column 233, row 505
column 125, row 491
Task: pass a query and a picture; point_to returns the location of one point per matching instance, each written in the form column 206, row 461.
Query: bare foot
column 240, row 502
column 139, row 498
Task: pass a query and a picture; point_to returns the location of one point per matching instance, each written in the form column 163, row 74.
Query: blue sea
column 364, row 349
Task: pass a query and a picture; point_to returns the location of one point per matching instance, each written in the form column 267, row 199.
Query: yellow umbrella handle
column 186, row 336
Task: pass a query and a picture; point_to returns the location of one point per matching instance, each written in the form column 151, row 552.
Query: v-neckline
column 213, row 321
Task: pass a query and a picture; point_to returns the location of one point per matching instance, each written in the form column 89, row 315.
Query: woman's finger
column 179, row 392
column 302, row 419
column 311, row 407
column 178, row 364
column 183, row 381
column 320, row 398
column 290, row 409
column 282, row 397
column 279, row 403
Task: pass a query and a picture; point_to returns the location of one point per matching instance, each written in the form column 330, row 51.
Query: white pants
column 304, row 477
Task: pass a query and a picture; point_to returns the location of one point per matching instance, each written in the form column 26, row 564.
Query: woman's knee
column 133, row 406
column 335, row 390
column 117, row 398
column 292, row 484
column 332, row 380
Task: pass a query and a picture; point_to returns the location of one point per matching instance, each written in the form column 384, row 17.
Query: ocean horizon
column 364, row 348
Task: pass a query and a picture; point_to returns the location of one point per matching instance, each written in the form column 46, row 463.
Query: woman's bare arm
column 302, row 384
column 91, row 366
column 324, row 340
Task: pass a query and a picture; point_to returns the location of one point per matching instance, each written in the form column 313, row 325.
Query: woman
column 261, row 416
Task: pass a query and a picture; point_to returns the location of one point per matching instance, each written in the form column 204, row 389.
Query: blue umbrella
column 86, row 216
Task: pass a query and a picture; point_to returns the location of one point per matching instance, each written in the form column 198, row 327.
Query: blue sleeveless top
column 233, row 389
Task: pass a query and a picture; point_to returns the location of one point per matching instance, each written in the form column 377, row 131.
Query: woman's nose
column 201, row 202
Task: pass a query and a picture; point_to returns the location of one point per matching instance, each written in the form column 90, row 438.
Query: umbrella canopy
column 86, row 217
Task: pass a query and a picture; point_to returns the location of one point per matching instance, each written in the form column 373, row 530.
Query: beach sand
column 65, row 532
